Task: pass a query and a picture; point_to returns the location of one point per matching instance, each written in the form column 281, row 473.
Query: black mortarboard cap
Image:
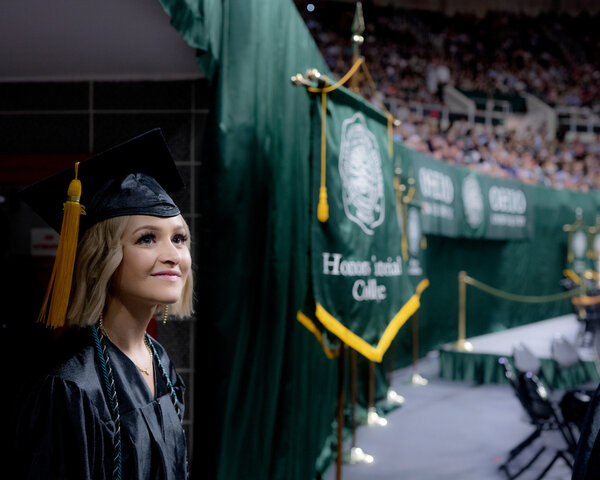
column 132, row 178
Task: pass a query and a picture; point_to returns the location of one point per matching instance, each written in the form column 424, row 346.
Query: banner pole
column 357, row 455
column 373, row 417
column 340, row 413
column 462, row 345
column 416, row 379
column 393, row 397
column 371, row 385
column 353, row 376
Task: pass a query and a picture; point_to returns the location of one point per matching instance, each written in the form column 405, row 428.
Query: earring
column 165, row 314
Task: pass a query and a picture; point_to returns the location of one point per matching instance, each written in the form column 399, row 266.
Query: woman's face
column 156, row 261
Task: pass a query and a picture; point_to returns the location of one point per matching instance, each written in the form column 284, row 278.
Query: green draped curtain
column 266, row 392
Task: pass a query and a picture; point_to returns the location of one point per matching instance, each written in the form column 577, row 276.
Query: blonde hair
column 98, row 256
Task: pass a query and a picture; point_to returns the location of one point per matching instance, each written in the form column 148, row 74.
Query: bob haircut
column 98, row 256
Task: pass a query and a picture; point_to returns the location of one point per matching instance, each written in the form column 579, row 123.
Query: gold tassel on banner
column 323, row 208
column 59, row 288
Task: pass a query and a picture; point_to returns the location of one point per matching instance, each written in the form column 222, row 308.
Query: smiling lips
column 170, row 275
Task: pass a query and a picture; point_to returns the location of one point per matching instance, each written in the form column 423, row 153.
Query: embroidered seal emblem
column 361, row 175
column 472, row 201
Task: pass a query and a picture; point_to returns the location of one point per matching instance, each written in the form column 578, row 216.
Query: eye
column 146, row 239
column 180, row 239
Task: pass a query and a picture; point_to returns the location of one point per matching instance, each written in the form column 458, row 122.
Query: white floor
column 537, row 336
column 447, row 430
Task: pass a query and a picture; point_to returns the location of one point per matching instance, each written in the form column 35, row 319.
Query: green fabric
column 483, row 368
column 358, row 275
column 460, row 203
column 436, row 184
column 521, row 267
column 265, row 391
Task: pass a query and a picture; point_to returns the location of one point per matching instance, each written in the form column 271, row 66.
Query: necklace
column 143, row 370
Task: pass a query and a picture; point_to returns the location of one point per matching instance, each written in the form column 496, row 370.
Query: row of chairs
column 561, row 412
column 568, row 364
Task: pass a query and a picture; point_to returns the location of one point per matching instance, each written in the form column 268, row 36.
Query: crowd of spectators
column 555, row 57
column 412, row 55
column 528, row 157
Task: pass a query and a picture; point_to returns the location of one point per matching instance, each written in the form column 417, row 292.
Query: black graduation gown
column 66, row 429
column 587, row 456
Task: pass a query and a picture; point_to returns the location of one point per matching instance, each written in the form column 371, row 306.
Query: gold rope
column 522, row 298
column 344, row 79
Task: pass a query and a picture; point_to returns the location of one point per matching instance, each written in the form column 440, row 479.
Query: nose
column 169, row 253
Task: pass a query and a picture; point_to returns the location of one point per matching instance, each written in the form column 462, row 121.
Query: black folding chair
column 543, row 415
column 525, row 360
column 571, row 369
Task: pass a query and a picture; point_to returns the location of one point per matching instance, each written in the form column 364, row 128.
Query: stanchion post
column 462, row 345
column 373, row 417
column 353, row 379
column 371, row 385
column 416, row 379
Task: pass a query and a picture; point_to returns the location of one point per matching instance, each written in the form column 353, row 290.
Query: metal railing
column 578, row 119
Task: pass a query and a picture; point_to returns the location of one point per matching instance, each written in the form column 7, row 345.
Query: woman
column 112, row 407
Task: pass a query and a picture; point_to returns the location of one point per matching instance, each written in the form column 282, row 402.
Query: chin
column 167, row 301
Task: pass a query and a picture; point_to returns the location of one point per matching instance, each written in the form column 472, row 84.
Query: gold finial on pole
column 462, row 345
column 358, row 27
column 299, row 81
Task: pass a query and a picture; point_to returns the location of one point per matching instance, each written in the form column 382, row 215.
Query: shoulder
column 73, row 369
column 73, row 355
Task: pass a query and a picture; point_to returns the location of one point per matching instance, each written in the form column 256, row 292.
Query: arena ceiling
column 44, row 40
column 531, row 7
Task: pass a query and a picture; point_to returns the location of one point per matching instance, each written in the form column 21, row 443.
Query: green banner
column 361, row 288
column 457, row 202
column 410, row 220
column 494, row 208
column 437, row 188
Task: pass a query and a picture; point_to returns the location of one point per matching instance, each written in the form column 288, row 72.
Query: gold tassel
column 59, row 288
column 323, row 207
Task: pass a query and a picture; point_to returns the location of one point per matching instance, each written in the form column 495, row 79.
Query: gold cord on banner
column 298, row 79
column 323, row 208
column 344, row 79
